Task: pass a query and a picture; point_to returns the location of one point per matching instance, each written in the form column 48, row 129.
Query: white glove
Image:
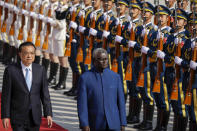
column 74, row 41
column 11, row 7
column 81, row 13
column 158, row 35
column 51, row 21
column 117, row 21
column 73, row 25
column 178, row 60
column 131, row 43
column 93, row 31
column 6, row 5
column 25, row 12
column 34, row 15
column 160, row 54
column 143, row 32
column 1, row 3
column 106, row 33
column 106, row 17
column 193, row 65
column 193, row 44
column 81, row 29
column 40, row 16
column 72, row 9
column 130, row 26
column 118, row 38
column 144, row 49
column 176, row 41
column 45, row 19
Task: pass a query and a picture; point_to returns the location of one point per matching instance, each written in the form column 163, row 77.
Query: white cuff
column 118, row 38
column 11, row 7
column 25, row 12
column 131, row 43
column 106, row 33
column 51, row 21
column 45, row 19
column 6, row 5
column 178, row 60
column 160, row 54
column 73, row 25
column 93, row 31
column 144, row 49
column 193, row 65
column 81, row 29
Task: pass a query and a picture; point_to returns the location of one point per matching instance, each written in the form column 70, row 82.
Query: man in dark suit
column 24, row 88
column 101, row 103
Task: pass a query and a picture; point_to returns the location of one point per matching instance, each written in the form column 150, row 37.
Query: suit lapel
column 33, row 75
column 22, row 76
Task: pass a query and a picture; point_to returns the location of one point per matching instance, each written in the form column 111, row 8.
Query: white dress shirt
column 24, row 71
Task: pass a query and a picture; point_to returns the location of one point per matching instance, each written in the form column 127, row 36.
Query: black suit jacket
column 16, row 98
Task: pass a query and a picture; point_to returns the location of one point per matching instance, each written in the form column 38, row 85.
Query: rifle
column 106, row 28
column 156, row 85
column 188, row 97
column 128, row 74
column 174, row 93
column 37, row 43
column 88, row 58
column 156, row 2
column 3, row 29
column 80, row 50
column 140, row 82
column 46, row 38
column 29, row 38
column 20, row 35
column 12, row 29
column 68, row 47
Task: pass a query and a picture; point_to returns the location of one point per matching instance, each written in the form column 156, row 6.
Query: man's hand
column 6, row 122
column 86, row 128
column 122, row 128
column 50, row 121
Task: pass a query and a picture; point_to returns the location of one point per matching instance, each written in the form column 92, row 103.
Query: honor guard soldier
column 41, row 11
column 49, row 52
column 182, row 61
column 165, row 68
column 135, row 100
column 193, row 3
column 59, row 43
column 74, row 41
column 148, row 70
column 192, row 88
column 7, row 16
column 183, row 4
column 86, row 11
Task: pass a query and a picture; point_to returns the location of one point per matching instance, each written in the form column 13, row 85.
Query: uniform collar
column 177, row 33
column 108, row 12
column 88, row 7
column 97, row 11
column 76, row 5
column 135, row 20
column 122, row 17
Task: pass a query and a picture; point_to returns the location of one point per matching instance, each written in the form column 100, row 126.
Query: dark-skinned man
column 102, row 89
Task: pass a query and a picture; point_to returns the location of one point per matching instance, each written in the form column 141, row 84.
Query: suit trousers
column 28, row 124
